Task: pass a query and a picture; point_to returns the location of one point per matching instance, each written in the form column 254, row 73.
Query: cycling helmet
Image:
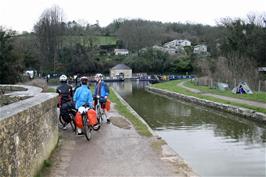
column 63, row 78
column 99, row 76
column 84, row 80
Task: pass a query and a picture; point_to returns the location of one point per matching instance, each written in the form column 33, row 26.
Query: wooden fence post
column 259, row 86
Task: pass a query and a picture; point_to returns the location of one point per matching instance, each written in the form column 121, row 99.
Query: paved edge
column 168, row 154
column 243, row 112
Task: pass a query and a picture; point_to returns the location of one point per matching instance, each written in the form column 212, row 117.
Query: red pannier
column 108, row 105
column 92, row 117
column 78, row 120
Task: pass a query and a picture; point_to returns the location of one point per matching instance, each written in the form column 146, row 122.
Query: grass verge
column 172, row 86
column 256, row 96
column 123, row 110
column 51, row 90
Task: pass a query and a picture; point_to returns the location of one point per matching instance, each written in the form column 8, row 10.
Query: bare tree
column 49, row 31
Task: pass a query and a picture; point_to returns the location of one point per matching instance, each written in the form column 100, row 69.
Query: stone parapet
column 28, row 133
column 244, row 112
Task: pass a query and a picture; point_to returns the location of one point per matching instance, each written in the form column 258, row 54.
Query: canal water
column 212, row 142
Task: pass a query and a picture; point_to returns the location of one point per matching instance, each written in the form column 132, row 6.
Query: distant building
column 177, row 43
column 121, row 70
column 199, row 49
column 171, row 51
column 262, row 69
column 121, row 51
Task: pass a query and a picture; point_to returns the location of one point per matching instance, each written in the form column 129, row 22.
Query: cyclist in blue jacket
column 101, row 91
column 83, row 97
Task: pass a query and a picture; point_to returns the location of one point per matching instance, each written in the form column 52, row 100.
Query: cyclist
column 83, row 97
column 101, row 91
column 65, row 99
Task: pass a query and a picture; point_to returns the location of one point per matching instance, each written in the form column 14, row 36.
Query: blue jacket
column 102, row 91
column 83, row 96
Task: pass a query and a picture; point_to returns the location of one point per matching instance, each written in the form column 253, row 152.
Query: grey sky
column 21, row 15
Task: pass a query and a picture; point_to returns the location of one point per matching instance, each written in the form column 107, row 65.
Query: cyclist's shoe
column 64, row 126
column 108, row 121
column 96, row 126
column 80, row 133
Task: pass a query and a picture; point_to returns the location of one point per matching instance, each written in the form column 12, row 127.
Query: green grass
column 54, row 81
column 172, row 86
column 123, row 110
column 51, row 90
column 88, row 40
column 257, row 96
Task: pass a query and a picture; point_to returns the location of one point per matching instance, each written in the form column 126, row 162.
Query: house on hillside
column 200, row 49
column 171, row 51
column 121, row 70
column 177, row 43
column 121, row 52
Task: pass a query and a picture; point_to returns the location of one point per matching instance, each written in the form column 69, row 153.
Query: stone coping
column 30, row 90
column 35, row 97
column 243, row 112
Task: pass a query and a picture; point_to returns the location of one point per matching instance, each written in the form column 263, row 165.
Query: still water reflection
column 213, row 143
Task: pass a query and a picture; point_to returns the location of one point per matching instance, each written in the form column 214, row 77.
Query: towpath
column 115, row 150
column 236, row 100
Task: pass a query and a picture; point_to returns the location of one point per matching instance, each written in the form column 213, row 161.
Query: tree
column 137, row 34
column 9, row 65
column 49, row 30
column 26, row 50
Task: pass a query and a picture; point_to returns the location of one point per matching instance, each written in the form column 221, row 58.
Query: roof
column 262, row 69
column 121, row 50
column 121, row 66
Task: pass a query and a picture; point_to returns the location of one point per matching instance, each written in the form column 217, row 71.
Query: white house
column 121, row 51
column 171, row 51
column 177, row 43
column 262, row 69
column 121, row 70
column 199, row 49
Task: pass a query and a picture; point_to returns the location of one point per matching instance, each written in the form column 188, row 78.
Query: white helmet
column 83, row 78
column 99, row 75
column 63, row 78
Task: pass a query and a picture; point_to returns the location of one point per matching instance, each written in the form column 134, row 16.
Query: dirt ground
column 115, row 150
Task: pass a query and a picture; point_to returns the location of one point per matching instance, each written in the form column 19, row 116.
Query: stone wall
column 28, row 134
column 247, row 113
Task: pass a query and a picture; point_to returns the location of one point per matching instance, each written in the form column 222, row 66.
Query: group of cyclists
column 80, row 97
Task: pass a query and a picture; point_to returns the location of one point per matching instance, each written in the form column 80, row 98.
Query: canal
column 213, row 143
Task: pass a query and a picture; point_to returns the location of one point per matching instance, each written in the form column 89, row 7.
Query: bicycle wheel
column 99, row 115
column 86, row 128
column 72, row 122
column 61, row 120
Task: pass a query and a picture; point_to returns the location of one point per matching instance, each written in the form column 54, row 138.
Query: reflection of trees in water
column 161, row 112
column 123, row 88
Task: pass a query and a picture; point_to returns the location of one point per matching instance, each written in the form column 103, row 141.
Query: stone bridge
column 28, row 131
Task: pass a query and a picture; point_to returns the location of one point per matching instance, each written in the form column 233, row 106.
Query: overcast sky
column 21, row 15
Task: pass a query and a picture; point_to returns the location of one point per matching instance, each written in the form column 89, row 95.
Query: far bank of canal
column 213, row 143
